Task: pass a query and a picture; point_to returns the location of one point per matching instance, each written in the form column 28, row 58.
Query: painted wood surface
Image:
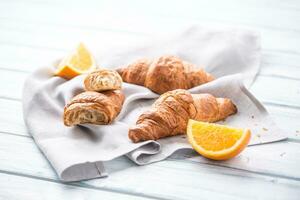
column 171, row 177
column 26, row 187
column 33, row 33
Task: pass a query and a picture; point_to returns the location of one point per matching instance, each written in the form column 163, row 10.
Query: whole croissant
column 171, row 111
column 164, row 74
column 93, row 107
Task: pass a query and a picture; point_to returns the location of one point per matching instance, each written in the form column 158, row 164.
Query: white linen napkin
column 77, row 153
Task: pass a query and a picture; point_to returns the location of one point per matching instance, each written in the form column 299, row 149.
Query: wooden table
column 36, row 32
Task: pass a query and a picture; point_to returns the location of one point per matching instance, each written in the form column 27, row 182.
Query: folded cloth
column 78, row 153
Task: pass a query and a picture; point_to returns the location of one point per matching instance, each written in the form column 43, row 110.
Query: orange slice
column 217, row 142
column 79, row 62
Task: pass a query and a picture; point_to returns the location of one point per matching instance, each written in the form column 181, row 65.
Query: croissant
column 102, row 80
column 94, row 108
column 170, row 113
column 164, row 74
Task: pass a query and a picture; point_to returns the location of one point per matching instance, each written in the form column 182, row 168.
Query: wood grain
column 249, row 13
column 173, row 179
column 23, row 187
column 61, row 38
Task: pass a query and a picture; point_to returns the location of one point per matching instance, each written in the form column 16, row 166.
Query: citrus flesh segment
column 79, row 62
column 217, row 142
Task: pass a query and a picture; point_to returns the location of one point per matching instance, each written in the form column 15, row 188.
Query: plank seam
column 82, row 27
column 86, row 186
column 274, row 103
column 10, row 98
column 280, row 76
column 16, row 134
column 15, row 70
column 34, row 46
column 293, row 140
column 238, row 169
column 268, row 63
column 184, row 18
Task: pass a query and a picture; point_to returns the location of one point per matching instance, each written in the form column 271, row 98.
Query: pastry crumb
column 252, row 116
column 282, row 154
column 265, row 129
column 258, row 135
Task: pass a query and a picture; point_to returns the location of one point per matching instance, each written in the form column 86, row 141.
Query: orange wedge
column 79, row 62
column 217, row 142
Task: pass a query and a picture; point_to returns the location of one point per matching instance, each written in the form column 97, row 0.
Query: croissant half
column 103, row 80
column 93, row 107
column 164, row 74
column 170, row 113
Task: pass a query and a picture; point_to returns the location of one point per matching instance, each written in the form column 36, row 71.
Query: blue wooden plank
column 23, row 187
column 171, row 179
column 233, row 12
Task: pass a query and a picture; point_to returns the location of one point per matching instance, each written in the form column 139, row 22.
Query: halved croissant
column 94, row 108
column 164, row 74
column 102, row 80
column 171, row 111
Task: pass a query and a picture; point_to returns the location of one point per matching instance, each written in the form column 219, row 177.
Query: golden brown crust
column 163, row 119
column 93, row 107
column 136, row 72
column 170, row 113
column 195, row 76
column 102, row 80
column 164, row 74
